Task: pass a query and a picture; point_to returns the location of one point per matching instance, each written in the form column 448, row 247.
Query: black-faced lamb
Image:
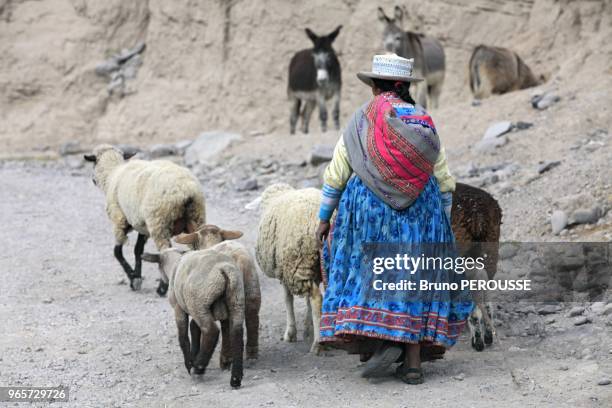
column 158, row 199
column 208, row 286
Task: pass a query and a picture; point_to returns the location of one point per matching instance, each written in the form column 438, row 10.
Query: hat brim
column 366, row 77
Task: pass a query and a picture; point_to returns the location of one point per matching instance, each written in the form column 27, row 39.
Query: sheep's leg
column 136, row 282
column 161, row 237
column 475, row 324
column 237, row 346
column 252, row 327
column 208, row 341
column 317, row 303
column 195, row 339
column 182, row 323
column 118, row 251
column 308, row 329
column 291, row 330
column 225, row 357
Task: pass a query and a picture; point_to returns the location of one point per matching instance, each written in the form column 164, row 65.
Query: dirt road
column 69, row 318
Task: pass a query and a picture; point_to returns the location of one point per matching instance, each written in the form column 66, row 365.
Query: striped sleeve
column 329, row 201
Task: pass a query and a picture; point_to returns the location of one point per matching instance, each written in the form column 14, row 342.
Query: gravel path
column 69, row 318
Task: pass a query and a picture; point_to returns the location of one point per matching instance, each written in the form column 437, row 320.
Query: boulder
column 497, row 129
column 161, row 150
column 558, row 221
column 208, row 146
column 320, row 153
column 586, row 215
column 545, row 100
column 489, row 145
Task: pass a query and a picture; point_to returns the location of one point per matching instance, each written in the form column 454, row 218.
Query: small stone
column 575, row 311
column 161, row 150
column 497, row 129
column 70, row 147
column 558, row 221
column 320, row 153
column 47, row 300
column 489, row 145
column 247, row 185
column 520, row 125
column 607, row 310
column 586, row 216
column 182, row 146
column 549, row 309
column 543, row 167
column 459, row 377
column 545, row 100
column 564, row 368
column 126, row 353
column 604, row 381
column 476, row 102
column 582, row 320
column 550, row 320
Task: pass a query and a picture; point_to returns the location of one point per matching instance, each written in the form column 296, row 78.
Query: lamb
column 158, row 199
column 213, row 237
column 208, row 286
column 476, row 220
column 287, row 250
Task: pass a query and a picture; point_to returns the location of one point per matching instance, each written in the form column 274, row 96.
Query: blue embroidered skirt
column 351, row 305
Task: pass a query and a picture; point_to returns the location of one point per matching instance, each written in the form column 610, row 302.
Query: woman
column 382, row 180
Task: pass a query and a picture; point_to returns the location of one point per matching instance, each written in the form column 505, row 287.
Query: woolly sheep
column 288, row 250
column 208, row 286
column 156, row 198
column 213, row 237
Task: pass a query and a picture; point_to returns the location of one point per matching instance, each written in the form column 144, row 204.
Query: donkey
column 314, row 78
column 428, row 54
column 497, row 70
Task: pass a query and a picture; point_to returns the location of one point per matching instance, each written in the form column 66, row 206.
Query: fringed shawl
column 392, row 146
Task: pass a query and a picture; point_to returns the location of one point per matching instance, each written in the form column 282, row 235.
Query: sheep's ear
column 90, row 157
column 128, row 155
column 149, row 257
column 187, row 239
column 230, row 234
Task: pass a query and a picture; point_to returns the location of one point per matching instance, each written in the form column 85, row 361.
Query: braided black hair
column 402, row 89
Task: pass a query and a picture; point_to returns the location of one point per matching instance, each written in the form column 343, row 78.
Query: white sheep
column 208, row 286
column 158, row 199
column 287, row 250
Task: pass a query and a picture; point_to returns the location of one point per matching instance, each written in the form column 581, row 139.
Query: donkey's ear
column 90, row 157
column 128, row 155
column 398, row 14
column 230, row 234
column 382, row 16
column 187, row 239
column 332, row 36
column 149, row 257
column 313, row 37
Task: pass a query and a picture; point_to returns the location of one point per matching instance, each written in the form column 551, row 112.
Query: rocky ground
column 71, row 319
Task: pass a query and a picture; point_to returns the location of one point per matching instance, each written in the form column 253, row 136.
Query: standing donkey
column 314, row 78
column 428, row 54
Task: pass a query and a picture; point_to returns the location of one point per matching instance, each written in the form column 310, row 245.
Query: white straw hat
column 391, row 67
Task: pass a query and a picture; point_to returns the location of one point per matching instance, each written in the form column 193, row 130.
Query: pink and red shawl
column 392, row 146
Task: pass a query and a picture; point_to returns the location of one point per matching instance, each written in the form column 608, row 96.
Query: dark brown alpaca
column 476, row 221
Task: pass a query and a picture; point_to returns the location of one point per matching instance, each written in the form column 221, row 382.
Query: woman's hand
column 322, row 231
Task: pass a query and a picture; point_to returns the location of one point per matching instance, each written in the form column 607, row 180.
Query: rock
column 459, row 377
column 575, row 311
column 546, row 166
column 247, row 185
column 549, row 309
column 586, row 215
column 604, row 381
column 182, row 146
column 506, row 188
column 582, row 320
column 107, row 67
column 161, row 150
column 126, row 54
column 497, row 129
column 71, row 147
column 128, row 149
column 563, row 368
column 47, row 300
column 207, row 146
column 558, row 221
column 520, row 125
column 320, row 153
column 476, row 102
column 75, row 161
column 545, row 100
column 598, row 307
column 607, row 310
column 489, row 145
